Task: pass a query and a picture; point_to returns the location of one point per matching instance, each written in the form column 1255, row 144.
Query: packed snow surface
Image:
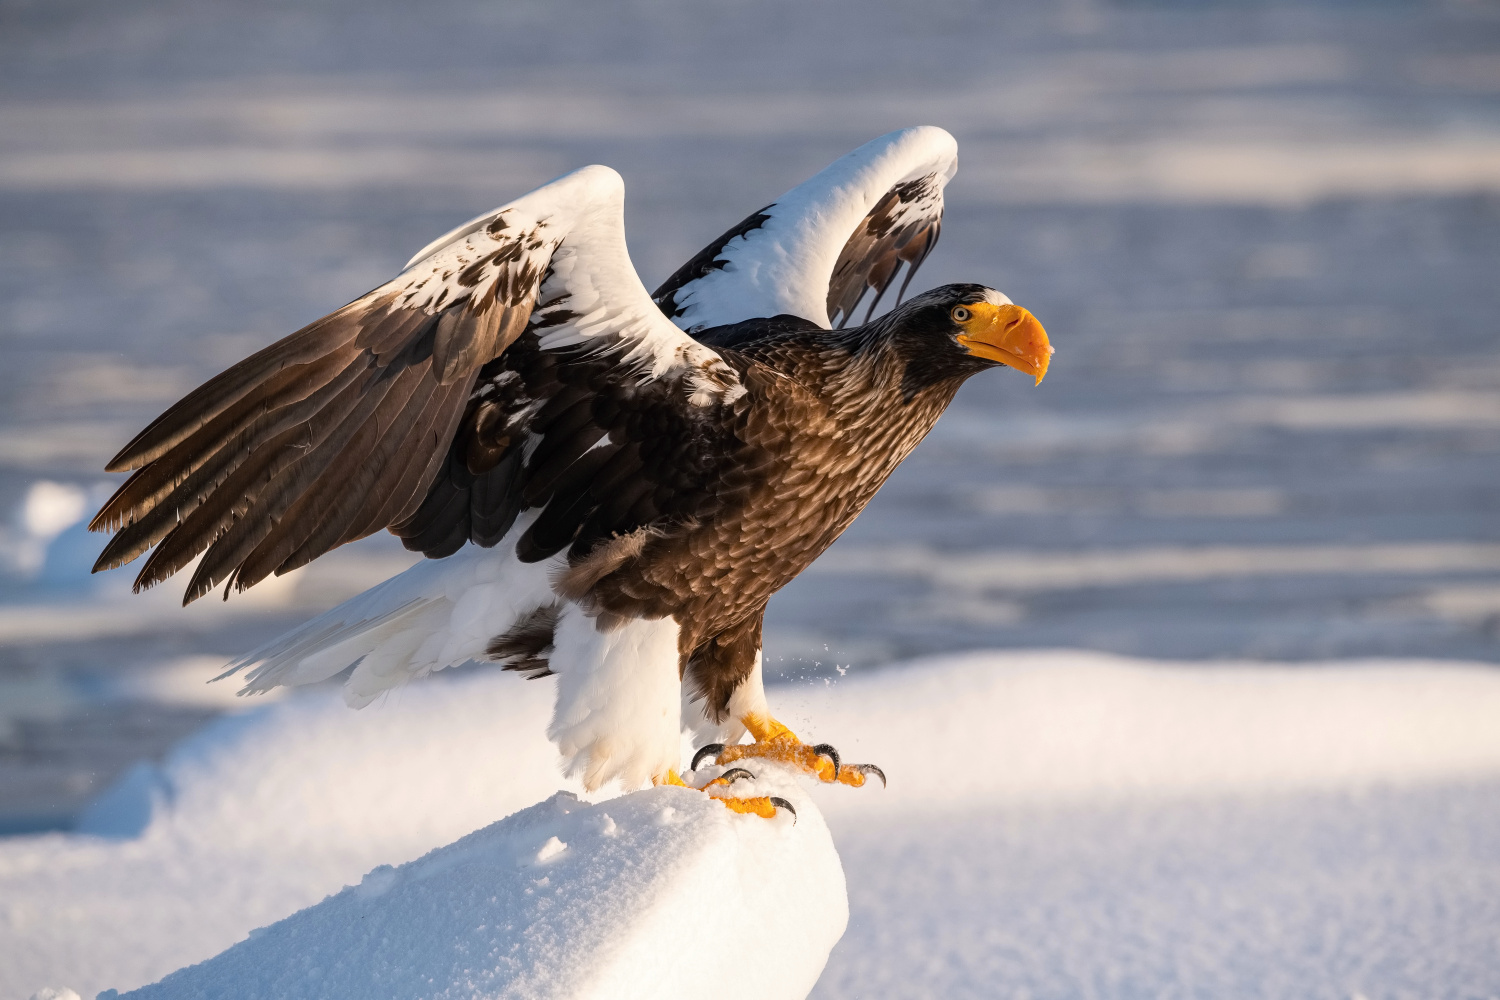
column 652, row 895
column 1057, row 824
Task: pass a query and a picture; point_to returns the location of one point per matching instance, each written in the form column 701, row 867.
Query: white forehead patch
column 996, row 298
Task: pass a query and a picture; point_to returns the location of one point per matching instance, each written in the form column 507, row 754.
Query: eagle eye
column 961, row 314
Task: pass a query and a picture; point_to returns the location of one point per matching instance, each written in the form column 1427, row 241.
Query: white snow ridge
column 658, row 894
column 1058, row 824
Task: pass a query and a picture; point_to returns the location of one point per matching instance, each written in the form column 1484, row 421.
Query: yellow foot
column 773, row 741
column 760, row 805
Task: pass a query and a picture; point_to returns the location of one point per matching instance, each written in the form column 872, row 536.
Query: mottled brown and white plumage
column 603, row 496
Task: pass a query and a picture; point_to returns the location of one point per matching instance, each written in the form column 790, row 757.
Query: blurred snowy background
column 1265, row 239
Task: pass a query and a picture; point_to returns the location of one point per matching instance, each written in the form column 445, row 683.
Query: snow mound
column 658, row 894
column 1062, row 727
column 259, row 815
column 265, row 813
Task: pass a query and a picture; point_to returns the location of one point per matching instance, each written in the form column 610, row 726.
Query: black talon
column 734, row 774
column 871, row 769
column 711, row 749
column 782, row 803
column 827, row 750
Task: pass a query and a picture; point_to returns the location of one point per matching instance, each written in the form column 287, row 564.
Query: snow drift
column 265, row 813
column 655, row 895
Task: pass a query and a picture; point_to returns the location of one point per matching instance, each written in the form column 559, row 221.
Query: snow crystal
column 551, row 849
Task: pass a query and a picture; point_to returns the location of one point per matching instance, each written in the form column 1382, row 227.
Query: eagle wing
column 342, row 428
column 817, row 250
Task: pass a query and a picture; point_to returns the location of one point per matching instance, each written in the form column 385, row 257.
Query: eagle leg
column 774, row 741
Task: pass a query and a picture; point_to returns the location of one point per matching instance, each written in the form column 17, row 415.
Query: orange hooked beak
column 1007, row 334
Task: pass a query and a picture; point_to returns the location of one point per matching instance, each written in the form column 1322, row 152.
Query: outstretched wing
column 817, row 250
column 597, row 456
column 340, row 429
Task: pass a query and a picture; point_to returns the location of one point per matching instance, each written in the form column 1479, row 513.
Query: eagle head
column 963, row 329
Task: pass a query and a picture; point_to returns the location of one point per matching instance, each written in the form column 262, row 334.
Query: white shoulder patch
column 564, row 245
column 785, row 264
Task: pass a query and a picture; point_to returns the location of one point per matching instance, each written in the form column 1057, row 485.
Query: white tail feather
column 619, row 699
column 434, row 615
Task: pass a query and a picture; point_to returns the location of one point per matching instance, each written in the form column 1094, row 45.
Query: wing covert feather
column 817, row 250
column 346, row 426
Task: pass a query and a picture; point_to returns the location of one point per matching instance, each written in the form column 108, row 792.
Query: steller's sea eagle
column 638, row 473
